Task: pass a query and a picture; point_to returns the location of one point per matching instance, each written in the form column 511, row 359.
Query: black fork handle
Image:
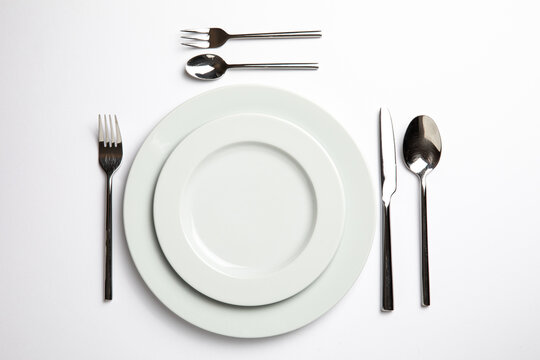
column 108, row 240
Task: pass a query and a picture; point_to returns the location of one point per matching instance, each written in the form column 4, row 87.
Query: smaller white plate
column 249, row 209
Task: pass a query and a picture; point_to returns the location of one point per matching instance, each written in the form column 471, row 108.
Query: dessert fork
column 110, row 157
column 210, row 38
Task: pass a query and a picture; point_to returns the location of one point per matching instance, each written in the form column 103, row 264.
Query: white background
column 471, row 65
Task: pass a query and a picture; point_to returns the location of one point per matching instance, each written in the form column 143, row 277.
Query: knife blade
column 388, row 188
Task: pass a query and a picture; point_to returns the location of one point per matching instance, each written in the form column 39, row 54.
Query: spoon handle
column 425, row 264
column 388, row 287
column 278, row 66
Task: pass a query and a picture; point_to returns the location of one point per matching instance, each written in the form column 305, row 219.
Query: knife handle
column 388, row 285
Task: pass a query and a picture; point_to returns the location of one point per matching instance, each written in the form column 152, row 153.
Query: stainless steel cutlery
column 110, row 157
column 422, row 148
column 421, row 152
column 210, row 38
column 212, row 67
column 388, row 188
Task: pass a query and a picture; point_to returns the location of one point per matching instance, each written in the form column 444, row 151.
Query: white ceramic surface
column 258, row 321
column 249, row 209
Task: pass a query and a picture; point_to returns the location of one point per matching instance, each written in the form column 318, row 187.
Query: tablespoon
column 212, row 67
column 422, row 150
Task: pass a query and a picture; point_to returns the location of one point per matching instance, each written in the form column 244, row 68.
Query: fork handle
column 108, row 240
column 277, row 35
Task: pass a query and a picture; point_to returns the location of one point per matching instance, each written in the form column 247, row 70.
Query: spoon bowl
column 206, row 67
column 422, row 148
column 422, row 145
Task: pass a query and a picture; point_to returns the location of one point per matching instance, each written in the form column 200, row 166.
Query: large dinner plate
column 255, row 321
column 249, row 209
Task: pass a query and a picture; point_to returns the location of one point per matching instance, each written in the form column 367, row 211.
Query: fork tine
column 204, row 38
column 118, row 135
column 197, row 31
column 197, row 46
column 100, row 129
column 111, row 139
column 106, row 130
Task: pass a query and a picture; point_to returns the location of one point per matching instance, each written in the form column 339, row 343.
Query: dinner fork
column 210, row 38
column 110, row 157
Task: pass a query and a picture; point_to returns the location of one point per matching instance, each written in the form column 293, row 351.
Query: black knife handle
column 388, row 285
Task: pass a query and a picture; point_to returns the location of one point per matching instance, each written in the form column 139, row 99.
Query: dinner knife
column 388, row 188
